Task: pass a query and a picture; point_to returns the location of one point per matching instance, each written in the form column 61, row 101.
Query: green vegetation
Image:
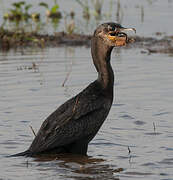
column 52, row 12
column 22, row 18
column 22, row 26
column 96, row 11
column 85, row 7
column 19, row 12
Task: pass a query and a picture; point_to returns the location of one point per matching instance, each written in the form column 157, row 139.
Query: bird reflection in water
column 79, row 166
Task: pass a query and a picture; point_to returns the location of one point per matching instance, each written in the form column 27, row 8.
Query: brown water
column 135, row 141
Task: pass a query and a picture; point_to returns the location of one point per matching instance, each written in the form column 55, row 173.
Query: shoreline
column 11, row 40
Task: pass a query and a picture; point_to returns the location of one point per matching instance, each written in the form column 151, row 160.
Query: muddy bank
column 153, row 45
column 21, row 39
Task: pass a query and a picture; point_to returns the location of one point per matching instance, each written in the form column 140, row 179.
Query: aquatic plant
column 85, row 7
column 52, row 12
column 91, row 8
column 97, row 4
column 108, row 14
column 69, row 22
column 19, row 12
column 35, row 17
column 119, row 12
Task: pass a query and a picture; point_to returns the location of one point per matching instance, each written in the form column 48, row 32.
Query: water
column 147, row 16
column 135, row 141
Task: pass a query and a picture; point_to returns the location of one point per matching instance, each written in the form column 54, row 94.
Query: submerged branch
column 33, row 131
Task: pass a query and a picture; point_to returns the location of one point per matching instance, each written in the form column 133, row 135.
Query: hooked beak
column 119, row 36
column 127, row 29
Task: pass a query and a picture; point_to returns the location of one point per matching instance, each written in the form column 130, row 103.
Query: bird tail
column 25, row 153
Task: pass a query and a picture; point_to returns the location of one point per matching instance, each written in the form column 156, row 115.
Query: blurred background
column 148, row 17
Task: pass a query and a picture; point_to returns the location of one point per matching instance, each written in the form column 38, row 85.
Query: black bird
column 74, row 124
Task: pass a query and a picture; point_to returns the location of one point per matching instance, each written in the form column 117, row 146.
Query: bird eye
column 111, row 28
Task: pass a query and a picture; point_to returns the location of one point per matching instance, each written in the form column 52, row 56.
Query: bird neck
column 101, row 55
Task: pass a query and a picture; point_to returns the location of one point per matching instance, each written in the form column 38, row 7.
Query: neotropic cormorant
column 74, row 124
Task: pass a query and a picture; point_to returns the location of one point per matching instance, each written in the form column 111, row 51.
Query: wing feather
column 71, row 121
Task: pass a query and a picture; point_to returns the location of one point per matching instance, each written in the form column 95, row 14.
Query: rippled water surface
column 135, row 141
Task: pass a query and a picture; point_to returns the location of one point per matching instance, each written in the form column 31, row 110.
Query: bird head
column 113, row 34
